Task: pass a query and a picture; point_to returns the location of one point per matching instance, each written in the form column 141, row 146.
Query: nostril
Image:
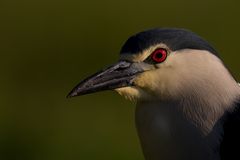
column 120, row 69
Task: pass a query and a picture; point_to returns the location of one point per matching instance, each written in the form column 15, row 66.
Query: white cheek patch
column 185, row 70
column 198, row 79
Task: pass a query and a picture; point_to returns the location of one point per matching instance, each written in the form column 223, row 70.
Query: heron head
column 158, row 63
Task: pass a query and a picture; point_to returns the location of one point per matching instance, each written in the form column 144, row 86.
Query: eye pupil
column 159, row 55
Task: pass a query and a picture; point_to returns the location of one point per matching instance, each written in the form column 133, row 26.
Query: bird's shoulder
column 231, row 134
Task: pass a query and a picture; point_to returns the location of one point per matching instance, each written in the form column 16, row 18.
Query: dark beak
column 118, row 75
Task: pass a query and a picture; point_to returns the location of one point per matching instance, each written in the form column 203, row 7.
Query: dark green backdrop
column 47, row 46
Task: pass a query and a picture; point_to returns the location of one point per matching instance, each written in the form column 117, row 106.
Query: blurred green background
column 48, row 46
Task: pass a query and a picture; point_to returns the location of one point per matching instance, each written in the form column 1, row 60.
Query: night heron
column 188, row 103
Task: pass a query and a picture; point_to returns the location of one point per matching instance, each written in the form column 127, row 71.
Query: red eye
column 159, row 55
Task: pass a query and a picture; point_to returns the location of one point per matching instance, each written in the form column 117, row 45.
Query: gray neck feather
column 167, row 133
column 188, row 127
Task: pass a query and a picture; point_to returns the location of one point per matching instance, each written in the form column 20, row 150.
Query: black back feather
column 230, row 145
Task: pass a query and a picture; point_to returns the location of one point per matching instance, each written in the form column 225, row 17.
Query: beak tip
column 72, row 94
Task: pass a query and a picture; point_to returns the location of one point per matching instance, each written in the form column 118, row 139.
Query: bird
column 187, row 100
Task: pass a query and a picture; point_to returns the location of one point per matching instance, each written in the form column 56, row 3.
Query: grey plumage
column 188, row 103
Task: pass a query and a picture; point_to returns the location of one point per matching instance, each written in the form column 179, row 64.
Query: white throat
column 183, row 122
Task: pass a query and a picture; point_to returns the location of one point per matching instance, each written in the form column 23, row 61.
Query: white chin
column 132, row 93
